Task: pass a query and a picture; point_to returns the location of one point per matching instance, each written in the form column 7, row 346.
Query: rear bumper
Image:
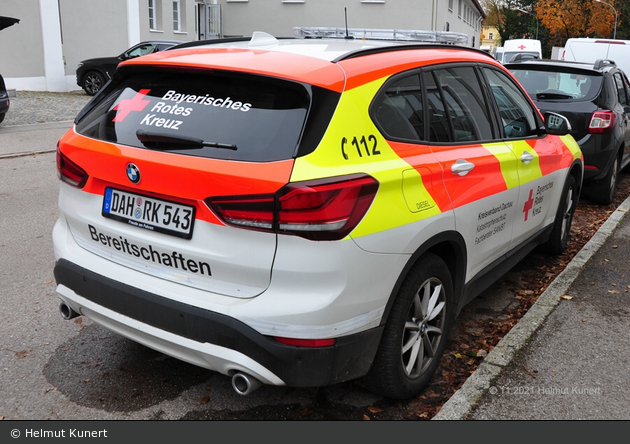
column 208, row 339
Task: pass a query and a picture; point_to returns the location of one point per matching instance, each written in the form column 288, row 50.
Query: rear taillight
column 602, row 122
column 325, row 209
column 69, row 172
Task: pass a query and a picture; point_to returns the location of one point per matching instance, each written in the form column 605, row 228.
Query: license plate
column 149, row 213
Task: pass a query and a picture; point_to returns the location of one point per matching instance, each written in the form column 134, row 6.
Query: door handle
column 462, row 167
column 526, row 157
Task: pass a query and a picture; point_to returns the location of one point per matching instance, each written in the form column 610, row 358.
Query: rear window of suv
column 211, row 114
column 548, row 84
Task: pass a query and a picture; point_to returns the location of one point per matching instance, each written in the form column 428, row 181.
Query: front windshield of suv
column 210, row 114
column 545, row 84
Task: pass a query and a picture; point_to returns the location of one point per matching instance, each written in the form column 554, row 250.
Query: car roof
column 599, row 65
column 312, row 60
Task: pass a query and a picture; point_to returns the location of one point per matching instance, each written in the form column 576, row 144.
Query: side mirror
column 557, row 124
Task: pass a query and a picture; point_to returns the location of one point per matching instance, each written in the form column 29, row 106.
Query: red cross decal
column 138, row 103
column 528, row 204
column 522, row 47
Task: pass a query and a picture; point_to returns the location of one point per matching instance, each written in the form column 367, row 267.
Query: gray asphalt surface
column 568, row 357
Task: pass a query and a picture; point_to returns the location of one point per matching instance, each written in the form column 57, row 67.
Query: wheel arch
column 451, row 248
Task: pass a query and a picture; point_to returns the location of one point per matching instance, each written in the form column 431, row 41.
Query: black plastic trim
column 349, row 358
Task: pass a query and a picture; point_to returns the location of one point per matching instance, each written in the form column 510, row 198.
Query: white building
column 41, row 53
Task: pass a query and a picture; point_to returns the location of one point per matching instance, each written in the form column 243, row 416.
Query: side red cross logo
column 522, row 47
column 138, row 103
column 528, row 204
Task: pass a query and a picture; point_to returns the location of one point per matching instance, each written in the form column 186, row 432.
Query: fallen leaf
column 48, row 282
column 482, row 354
column 87, row 380
column 613, row 291
column 457, row 355
column 204, row 400
column 21, row 354
column 375, row 409
column 568, row 298
column 584, row 320
column 366, row 417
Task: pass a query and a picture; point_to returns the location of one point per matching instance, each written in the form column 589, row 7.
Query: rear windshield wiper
column 170, row 142
column 552, row 95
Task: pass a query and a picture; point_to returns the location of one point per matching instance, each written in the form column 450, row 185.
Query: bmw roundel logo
column 133, row 173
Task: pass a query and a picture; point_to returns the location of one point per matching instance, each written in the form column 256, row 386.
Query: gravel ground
column 33, row 107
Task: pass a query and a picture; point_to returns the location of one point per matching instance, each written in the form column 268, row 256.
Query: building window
column 459, row 9
column 155, row 15
column 450, row 5
column 152, row 14
column 177, row 25
column 491, row 35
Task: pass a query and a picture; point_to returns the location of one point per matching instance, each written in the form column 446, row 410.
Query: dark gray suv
column 595, row 97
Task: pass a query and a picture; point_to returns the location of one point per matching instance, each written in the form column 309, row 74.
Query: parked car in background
column 4, row 99
column 590, row 50
column 595, row 97
column 5, row 22
column 93, row 74
column 498, row 53
column 512, row 48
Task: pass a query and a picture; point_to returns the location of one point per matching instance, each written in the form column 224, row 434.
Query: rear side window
column 399, row 110
column 621, row 89
column 517, row 114
column 234, row 116
column 456, row 111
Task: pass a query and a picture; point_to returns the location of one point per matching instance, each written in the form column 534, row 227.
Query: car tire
column 561, row 231
column 602, row 192
column 93, row 81
column 2, row 117
column 416, row 331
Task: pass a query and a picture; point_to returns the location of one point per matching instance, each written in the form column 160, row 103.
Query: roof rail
column 453, row 38
column 600, row 63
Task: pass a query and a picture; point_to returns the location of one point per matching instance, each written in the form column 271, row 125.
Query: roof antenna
column 348, row 36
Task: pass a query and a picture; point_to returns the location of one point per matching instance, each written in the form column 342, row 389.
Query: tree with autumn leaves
column 577, row 18
column 557, row 20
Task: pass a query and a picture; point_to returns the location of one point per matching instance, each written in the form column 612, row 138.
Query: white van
column 497, row 53
column 590, row 50
column 521, row 46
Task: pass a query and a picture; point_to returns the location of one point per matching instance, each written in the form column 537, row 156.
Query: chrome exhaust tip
column 67, row 312
column 244, row 384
